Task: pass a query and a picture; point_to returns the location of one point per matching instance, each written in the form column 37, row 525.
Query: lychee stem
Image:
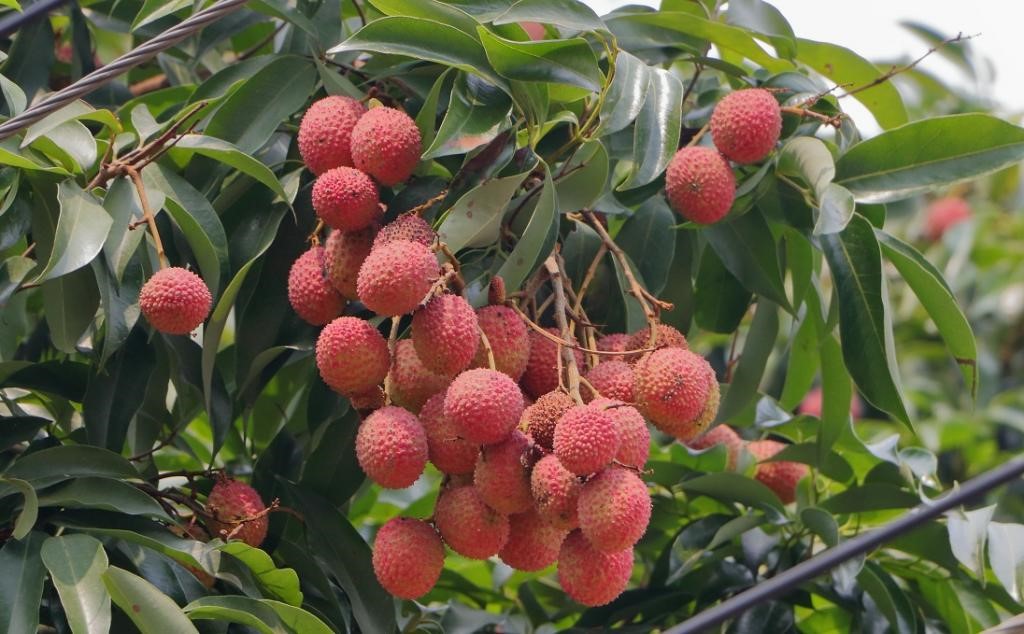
column 392, row 342
column 566, row 354
column 485, row 342
column 314, row 237
column 148, row 214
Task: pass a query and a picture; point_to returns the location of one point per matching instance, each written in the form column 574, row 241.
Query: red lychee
column 325, row 132
column 812, row 405
column 720, row 435
column 396, row 277
column 352, row 356
column 406, row 227
column 237, row 512
column 612, row 379
column 745, row 125
column 614, row 509
column 556, row 492
column 445, row 334
column 780, row 477
column 613, row 343
column 407, row 557
column 391, row 447
column 634, row 437
column 539, row 419
column 448, row 452
column 345, row 253
column 468, row 525
column 411, row 382
column 501, row 477
column 309, row 291
column 533, row 543
column 589, row 576
column 509, row 339
column 175, row 301
column 943, row 214
column 672, row 390
column 483, row 405
column 386, row 145
column 700, row 185
column 586, row 439
column 541, row 375
column 346, row 199
column 667, row 337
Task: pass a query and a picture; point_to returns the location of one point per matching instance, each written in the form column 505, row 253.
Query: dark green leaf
column 873, row 496
column 569, row 61
column 76, row 564
column 81, row 231
column 657, row 129
column 115, row 393
column 649, row 241
column 832, row 465
column 626, row 96
column 49, row 466
column 802, row 365
column 18, row 429
column 149, row 609
column 570, row 14
column 889, row 597
column 748, row 372
column 733, row 487
column 760, row 17
column 102, row 493
column 21, row 584
column 426, row 118
column 752, row 259
column 29, row 508
column 228, row 154
column 585, row 176
column 821, row 523
column 528, row 251
column 720, row 300
column 771, row 616
column 477, row 112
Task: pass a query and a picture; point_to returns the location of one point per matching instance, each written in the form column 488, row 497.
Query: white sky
column 870, row 27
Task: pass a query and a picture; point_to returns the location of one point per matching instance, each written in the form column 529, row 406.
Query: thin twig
column 896, row 70
column 392, row 343
column 486, row 343
column 573, row 371
column 148, row 212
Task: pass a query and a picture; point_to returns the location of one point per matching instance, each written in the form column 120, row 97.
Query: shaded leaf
column 76, row 564
column 21, row 584
column 149, row 609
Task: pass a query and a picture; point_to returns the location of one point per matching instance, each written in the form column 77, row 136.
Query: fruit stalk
column 147, row 213
column 567, row 356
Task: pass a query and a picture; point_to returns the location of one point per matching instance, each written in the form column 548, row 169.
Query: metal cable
column 859, row 545
column 129, row 60
column 15, row 20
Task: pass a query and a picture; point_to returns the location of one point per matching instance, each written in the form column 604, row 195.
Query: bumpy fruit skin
column 707, row 415
column 586, row 440
column 589, row 576
column 483, row 405
column 412, row 383
column 352, row 356
column 720, row 435
column 556, row 493
column 346, row 199
column 396, row 277
column 407, row 557
column 230, row 503
column 672, row 389
column 309, row 291
column 541, row 375
column 509, row 339
column 943, row 214
column 614, row 509
column 391, row 447
column 345, row 253
column 445, row 334
column 175, row 301
column 386, row 145
column 634, row 437
column 613, row 343
column 468, row 525
column 406, row 227
column 540, row 418
column 780, row 477
column 612, row 379
column 667, row 337
column 745, row 125
column 448, row 452
column 501, row 477
column 533, row 544
column 700, row 185
column 326, row 131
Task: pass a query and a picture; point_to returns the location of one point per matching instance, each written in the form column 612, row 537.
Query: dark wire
column 15, row 20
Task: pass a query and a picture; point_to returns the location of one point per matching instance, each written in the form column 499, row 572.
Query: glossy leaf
column 968, row 532
column 626, row 96
column 76, row 564
column 228, row 154
column 21, row 584
column 720, row 299
column 476, row 113
column 648, row 239
column 583, row 178
column 760, row 17
column 570, row 62
column 822, row 524
column 282, row 583
column 49, row 466
column 746, row 376
column 80, row 234
column 429, row 10
column 528, row 251
column 115, row 394
column 102, row 493
column 150, row 610
column 29, row 507
column 741, row 245
column 569, row 14
column 733, row 487
column 657, row 129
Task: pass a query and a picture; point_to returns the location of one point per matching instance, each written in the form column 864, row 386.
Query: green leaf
column 752, row 259
column 968, row 531
column 529, row 250
column 569, row 14
column 426, row 118
column 477, row 113
column 864, row 325
column 153, row 10
column 733, row 487
column 14, row 96
column 102, row 493
column 657, row 129
column 298, row 620
column 282, row 583
column 235, row 609
column 80, row 234
column 116, row 393
column 1006, row 555
column 70, row 303
column 570, row 61
column 626, row 96
column 47, row 467
column 888, row 596
column 429, row 10
column 802, row 365
column 757, row 348
column 873, row 496
column 585, row 176
column 76, row 564
column 21, row 584
column 649, row 241
column 18, row 429
column 832, row 465
column 821, row 523
column 228, row 154
column 123, row 205
column 150, row 610
column 760, row 17
column 836, row 393
column 929, row 153
column 29, row 509
column 845, row 67
column 720, row 300
column 282, row 10
column 13, row 271
column 935, row 295
column 475, row 219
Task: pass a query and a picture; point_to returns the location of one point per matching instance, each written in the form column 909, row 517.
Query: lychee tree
column 422, row 315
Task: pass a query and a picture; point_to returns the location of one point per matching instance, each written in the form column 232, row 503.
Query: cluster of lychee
column 745, row 126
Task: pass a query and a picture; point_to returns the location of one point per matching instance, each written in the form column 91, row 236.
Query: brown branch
column 562, row 342
column 835, row 121
column 486, row 343
column 392, row 343
column 427, row 204
column 567, row 356
column 148, row 213
column 896, row 70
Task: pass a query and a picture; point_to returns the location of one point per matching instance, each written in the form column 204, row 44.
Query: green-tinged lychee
column 407, row 557
column 589, row 576
column 483, row 405
column 720, row 435
column 326, row 131
column 175, row 301
column 667, row 337
column 556, row 492
column 501, row 476
column 412, row 383
column 509, row 339
column 586, row 439
column 541, row 375
column 613, row 343
column 634, row 437
column 391, row 447
column 745, row 125
column 672, row 389
column 346, row 199
column 448, row 452
column 345, row 253
column 406, row 227
column 468, row 525
column 237, row 512
column 386, row 145
column 396, row 277
column 540, row 418
column 309, row 291
column 707, row 415
column 781, row 477
column 352, row 356
column 700, row 185
column 533, row 543
column 445, row 334
column 612, row 379
column 614, row 509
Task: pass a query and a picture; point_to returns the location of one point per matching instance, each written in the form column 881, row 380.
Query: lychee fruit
column 412, row 383
column 309, row 291
column 509, row 339
column 813, row 404
column 613, row 343
column 672, row 389
column 534, row 30
column 483, row 405
column 175, row 301
column 406, row 227
column 237, row 512
column 407, row 557
column 325, row 132
column 448, row 452
column 781, row 477
column 634, row 437
column 700, row 185
column 586, row 439
column 614, row 509
column 612, row 379
column 352, row 356
column 539, row 419
column 707, row 415
column 496, row 291
column 541, row 375
column 556, row 492
column 346, row 199
column 468, row 525
column 745, row 125
column 720, row 435
column 386, row 145
column 445, row 334
column 396, row 277
column 369, row 400
column 501, row 477
column 667, row 337
column 943, row 214
column 345, row 253
column 589, row 576
column 533, row 543
column 391, row 447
